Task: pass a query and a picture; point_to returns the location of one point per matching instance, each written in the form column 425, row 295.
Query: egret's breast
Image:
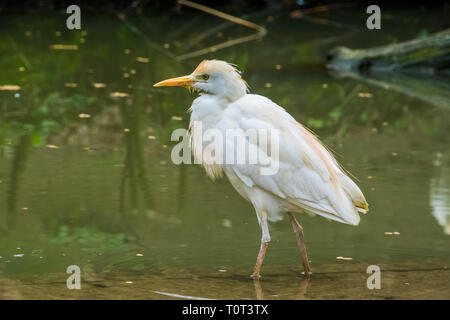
column 206, row 132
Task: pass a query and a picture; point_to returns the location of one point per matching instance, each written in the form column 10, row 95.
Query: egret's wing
column 308, row 177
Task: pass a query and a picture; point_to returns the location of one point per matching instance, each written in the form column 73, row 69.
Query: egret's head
column 212, row 77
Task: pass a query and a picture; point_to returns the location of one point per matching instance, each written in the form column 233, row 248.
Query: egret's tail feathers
column 343, row 206
column 354, row 193
column 344, row 214
column 361, row 210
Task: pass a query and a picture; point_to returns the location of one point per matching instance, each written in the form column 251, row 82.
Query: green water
column 101, row 192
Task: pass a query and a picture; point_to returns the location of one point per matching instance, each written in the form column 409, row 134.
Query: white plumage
column 308, row 178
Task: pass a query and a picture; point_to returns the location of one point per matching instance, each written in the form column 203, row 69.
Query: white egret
column 308, row 178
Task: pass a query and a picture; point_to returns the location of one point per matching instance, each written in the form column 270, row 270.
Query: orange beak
column 185, row 81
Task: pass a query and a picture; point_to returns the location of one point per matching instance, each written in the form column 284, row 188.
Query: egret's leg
column 300, row 243
column 264, row 245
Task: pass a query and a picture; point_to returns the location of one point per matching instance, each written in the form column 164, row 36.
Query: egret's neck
column 234, row 90
column 209, row 106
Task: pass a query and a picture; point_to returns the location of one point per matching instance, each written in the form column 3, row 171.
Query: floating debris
column 58, row 33
column 126, row 75
column 166, row 45
column 9, row 87
column 18, row 255
column 370, row 177
column 127, row 51
column 71, row 85
column 24, row 209
column 129, row 282
column 222, row 270
column 394, row 154
column 180, row 296
column 227, row 223
column 151, row 137
column 391, row 233
column 63, row 47
column 268, row 85
column 21, row 69
column 365, row 95
column 177, row 118
column 278, row 66
column 99, row 85
column 126, row 130
column 84, row 115
column 143, row 60
column 324, row 85
column 133, row 71
column 343, row 258
column 52, row 146
column 119, row 94
column 384, row 124
column 16, row 95
column 139, row 255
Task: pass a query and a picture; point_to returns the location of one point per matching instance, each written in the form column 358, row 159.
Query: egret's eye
column 205, row 77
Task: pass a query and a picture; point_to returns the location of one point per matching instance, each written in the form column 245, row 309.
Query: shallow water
column 86, row 177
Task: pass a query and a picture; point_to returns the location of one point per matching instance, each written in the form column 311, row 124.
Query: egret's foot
column 306, row 268
column 300, row 244
column 307, row 275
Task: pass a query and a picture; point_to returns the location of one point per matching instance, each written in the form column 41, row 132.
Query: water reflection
column 433, row 90
column 440, row 192
column 134, row 174
column 19, row 161
column 302, row 288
